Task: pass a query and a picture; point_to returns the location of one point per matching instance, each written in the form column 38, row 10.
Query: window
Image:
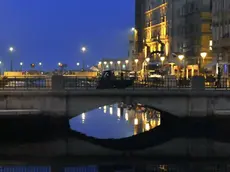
column 210, row 45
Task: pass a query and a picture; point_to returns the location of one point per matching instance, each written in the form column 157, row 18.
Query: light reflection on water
column 116, row 121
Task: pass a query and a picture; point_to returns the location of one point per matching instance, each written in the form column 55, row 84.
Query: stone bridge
column 180, row 103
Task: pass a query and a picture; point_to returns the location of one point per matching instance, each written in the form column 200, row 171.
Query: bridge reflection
column 141, row 118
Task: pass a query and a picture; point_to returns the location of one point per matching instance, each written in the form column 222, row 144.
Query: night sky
column 53, row 31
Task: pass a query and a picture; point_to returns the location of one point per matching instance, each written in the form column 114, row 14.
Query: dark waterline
column 116, row 121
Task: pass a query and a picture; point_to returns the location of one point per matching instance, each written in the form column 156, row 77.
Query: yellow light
column 148, row 60
column 118, row 62
column 135, row 121
column 159, row 122
column 111, row 62
column 136, row 60
column 105, row 63
column 203, row 54
column 181, row 57
column 162, row 58
column 147, row 127
column 126, row 61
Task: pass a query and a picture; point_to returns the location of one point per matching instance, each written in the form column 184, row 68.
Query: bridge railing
column 44, row 83
column 27, row 82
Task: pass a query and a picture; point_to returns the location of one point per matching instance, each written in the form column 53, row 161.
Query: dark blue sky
column 54, row 30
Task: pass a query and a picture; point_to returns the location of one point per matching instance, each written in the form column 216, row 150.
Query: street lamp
column 203, row 55
column 162, row 60
column 11, row 49
column 148, row 60
column 83, row 50
column 40, row 66
column 119, row 63
column 181, row 57
column 1, row 68
column 136, row 61
column 21, row 64
column 60, row 64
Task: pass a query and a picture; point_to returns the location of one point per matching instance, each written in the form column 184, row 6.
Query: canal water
column 116, row 121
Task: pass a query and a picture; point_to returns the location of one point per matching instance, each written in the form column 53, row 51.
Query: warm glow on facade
column 156, row 28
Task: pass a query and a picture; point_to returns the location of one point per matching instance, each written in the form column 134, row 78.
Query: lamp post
column 136, row 61
column 21, row 64
column 119, row 63
column 100, row 66
column 83, row 50
column 111, row 64
column 181, row 58
column 0, row 67
column 11, row 50
column 77, row 64
column 203, row 55
column 146, row 68
column 126, row 64
column 162, row 60
column 40, row 66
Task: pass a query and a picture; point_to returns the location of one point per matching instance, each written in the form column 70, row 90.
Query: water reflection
column 116, row 121
column 174, row 167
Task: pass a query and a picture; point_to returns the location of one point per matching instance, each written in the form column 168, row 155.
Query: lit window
column 210, row 45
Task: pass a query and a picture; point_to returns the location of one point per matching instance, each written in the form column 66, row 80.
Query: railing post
column 198, row 83
column 58, row 82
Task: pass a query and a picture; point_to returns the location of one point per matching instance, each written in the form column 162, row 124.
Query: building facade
column 139, row 24
column 221, row 36
column 156, row 35
column 193, row 34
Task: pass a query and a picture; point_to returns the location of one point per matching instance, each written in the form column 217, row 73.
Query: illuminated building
column 176, row 27
column 191, row 30
column 220, row 31
column 156, row 35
